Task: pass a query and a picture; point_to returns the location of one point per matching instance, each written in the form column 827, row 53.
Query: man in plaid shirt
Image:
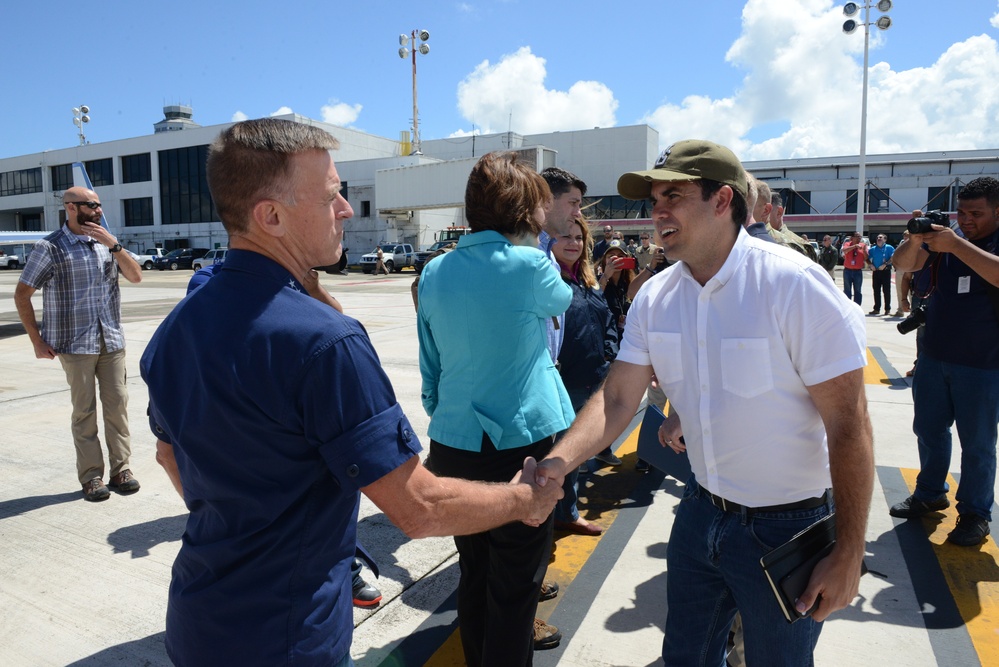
column 77, row 270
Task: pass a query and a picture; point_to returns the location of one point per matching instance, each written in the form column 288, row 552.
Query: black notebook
column 650, row 450
column 789, row 566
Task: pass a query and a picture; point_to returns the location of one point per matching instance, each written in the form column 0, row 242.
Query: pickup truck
column 446, row 237
column 9, row 261
column 214, row 256
column 395, row 255
column 423, row 255
column 147, row 258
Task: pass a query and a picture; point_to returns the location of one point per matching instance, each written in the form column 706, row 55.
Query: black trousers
column 882, row 285
column 501, row 569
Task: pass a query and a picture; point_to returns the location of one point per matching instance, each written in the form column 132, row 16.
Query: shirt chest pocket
column 665, row 351
column 745, row 366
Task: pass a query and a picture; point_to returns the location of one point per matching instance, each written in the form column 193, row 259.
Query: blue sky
column 770, row 78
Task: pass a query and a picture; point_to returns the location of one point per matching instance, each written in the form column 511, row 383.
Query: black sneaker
column 641, row 465
column 912, row 507
column 607, row 458
column 549, row 589
column 970, row 531
column 365, row 595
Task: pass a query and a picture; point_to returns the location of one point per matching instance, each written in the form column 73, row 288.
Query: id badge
column 964, row 284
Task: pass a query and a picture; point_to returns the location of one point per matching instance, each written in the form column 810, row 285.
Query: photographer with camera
column 854, row 254
column 957, row 379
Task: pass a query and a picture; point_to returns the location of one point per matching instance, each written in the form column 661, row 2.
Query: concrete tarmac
column 86, row 583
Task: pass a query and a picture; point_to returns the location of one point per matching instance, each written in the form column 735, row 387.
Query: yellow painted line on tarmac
column 873, row 373
column 605, row 492
column 971, row 577
column 600, row 505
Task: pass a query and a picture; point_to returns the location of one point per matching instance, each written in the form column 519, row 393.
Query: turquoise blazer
column 482, row 323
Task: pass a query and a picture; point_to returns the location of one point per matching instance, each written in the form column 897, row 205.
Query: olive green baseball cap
column 689, row 160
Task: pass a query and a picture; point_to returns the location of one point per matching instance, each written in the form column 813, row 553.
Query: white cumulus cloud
column 239, row 116
column 801, row 94
column 511, row 94
column 340, row 113
column 282, row 111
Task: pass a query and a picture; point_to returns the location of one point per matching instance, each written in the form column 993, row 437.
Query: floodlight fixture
column 423, row 48
column 80, row 118
column 851, row 25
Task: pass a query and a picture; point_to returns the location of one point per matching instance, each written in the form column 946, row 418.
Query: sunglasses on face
column 92, row 205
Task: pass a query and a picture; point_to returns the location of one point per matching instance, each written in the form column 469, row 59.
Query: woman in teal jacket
column 493, row 393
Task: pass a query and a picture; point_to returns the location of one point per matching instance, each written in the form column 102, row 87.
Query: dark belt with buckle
column 729, row 506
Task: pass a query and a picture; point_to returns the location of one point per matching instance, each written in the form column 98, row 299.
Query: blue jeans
column 565, row 509
column 713, row 569
column 945, row 394
column 853, row 279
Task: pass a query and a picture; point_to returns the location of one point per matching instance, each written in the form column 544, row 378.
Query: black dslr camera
column 922, row 225
column 913, row 321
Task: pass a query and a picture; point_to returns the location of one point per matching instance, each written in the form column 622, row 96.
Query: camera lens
column 912, row 322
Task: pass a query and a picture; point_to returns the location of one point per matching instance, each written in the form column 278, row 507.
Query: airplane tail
column 82, row 180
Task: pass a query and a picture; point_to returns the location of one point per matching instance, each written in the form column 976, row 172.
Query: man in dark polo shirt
column 272, row 414
column 957, row 379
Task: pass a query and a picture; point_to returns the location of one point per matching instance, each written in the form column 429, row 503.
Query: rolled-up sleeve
column 351, row 411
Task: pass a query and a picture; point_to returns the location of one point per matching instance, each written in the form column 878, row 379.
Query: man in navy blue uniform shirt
column 284, row 416
column 957, row 378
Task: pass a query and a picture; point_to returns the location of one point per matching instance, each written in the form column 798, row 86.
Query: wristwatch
column 115, row 248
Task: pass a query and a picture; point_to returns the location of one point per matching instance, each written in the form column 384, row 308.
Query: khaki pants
column 108, row 369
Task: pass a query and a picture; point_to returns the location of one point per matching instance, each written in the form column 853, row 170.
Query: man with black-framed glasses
column 77, row 269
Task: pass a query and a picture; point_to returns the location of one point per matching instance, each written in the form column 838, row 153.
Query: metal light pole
column 80, row 118
column 884, row 22
column 423, row 36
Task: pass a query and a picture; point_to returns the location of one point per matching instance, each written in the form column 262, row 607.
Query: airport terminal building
column 155, row 192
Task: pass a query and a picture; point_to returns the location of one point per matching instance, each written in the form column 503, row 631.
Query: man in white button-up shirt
column 762, row 358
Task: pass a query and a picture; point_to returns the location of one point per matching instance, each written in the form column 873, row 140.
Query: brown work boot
column 545, row 636
column 124, row 482
column 95, row 490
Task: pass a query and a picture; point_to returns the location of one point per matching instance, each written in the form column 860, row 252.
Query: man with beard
column 77, row 269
